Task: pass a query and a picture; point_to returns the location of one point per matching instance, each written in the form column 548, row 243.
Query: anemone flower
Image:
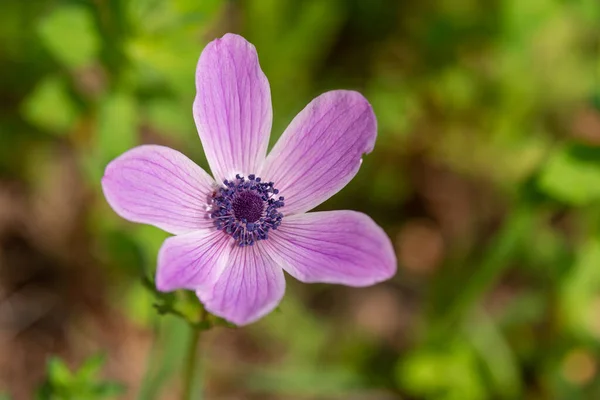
column 236, row 234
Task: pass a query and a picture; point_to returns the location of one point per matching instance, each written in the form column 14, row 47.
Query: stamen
column 246, row 209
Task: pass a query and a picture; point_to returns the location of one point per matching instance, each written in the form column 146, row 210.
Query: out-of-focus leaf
column 62, row 384
column 117, row 125
column 389, row 185
column 149, row 239
column 288, row 62
column 205, row 9
column 171, row 117
column 59, row 372
column 455, row 89
column 590, row 10
column 70, row 35
column 138, row 305
column 154, row 17
column 107, row 390
column 116, row 132
column 317, row 382
column 50, row 107
column 395, row 105
column 91, row 367
column 571, row 176
column 532, row 65
column 580, row 287
column 150, row 16
column 166, row 60
column 304, row 334
column 449, row 374
column 123, row 250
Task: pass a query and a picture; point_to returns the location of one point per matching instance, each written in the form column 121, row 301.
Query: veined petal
column 345, row 247
column 250, row 287
column 192, row 260
column 232, row 108
column 321, row 150
column 159, row 186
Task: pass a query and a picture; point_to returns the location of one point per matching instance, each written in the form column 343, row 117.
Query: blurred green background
column 486, row 175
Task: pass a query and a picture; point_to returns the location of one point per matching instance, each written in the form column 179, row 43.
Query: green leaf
column 137, row 304
column 91, row 368
column 50, row 107
column 106, row 390
column 395, row 105
column 449, row 373
column 82, row 384
column 116, row 132
column 58, row 372
column 305, row 381
column 580, row 287
column 572, row 175
column 70, row 35
column 117, row 125
column 170, row 116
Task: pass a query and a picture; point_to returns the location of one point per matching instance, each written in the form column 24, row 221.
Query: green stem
column 191, row 361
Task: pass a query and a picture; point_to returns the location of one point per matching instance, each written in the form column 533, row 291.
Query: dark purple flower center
column 248, row 205
column 246, row 209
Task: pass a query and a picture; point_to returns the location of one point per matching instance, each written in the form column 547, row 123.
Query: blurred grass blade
column 497, row 355
column 514, row 234
column 166, row 356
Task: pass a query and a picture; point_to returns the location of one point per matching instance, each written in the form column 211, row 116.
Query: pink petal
column 192, row 260
column 158, row 186
column 344, row 247
column 232, row 108
column 321, row 150
column 250, row 287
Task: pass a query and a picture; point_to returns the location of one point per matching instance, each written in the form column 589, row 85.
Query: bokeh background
column 486, row 175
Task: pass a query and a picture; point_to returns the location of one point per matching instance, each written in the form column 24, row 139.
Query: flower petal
column 344, row 247
column 321, row 150
column 192, row 260
column 159, row 186
column 232, row 108
column 250, row 287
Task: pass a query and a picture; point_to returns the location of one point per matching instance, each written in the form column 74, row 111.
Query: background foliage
column 486, row 175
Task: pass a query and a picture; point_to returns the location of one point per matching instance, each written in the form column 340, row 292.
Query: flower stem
column 191, row 361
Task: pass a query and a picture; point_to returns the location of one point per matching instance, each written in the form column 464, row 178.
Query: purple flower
column 236, row 233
